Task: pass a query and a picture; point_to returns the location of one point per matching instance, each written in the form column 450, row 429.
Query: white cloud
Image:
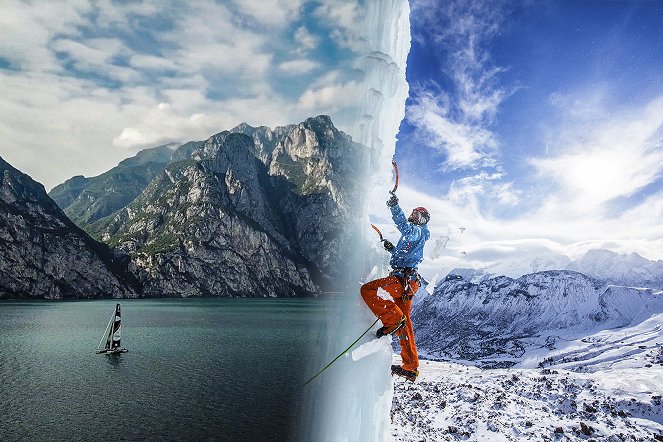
column 295, row 67
column 330, row 97
column 276, row 13
column 466, row 145
column 614, row 158
column 151, row 62
column 110, row 15
column 344, row 18
column 305, row 40
column 517, row 240
column 342, row 14
column 208, row 38
column 458, row 120
column 26, row 30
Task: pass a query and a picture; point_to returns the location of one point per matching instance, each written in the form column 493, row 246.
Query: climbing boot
column 407, row 374
column 390, row 330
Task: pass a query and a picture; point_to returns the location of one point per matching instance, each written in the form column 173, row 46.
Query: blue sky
column 86, row 84
column 537, row 125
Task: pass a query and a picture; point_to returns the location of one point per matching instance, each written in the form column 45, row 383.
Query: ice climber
column 401, row 284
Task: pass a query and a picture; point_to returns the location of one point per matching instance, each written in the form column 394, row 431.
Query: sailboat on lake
column 111, row 338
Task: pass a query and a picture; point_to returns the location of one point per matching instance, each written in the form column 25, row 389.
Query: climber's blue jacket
column 409, row 251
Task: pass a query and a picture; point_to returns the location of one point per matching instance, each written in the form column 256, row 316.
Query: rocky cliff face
column 250, row 212
column 495, row 320
column 43, row 254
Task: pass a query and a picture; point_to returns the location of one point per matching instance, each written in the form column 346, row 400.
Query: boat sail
column 110, row 341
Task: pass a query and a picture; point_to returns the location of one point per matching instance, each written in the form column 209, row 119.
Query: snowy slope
column 451, row 402
column 553, row 356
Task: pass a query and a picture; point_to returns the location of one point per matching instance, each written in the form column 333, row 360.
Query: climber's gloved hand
column 392, row 201
column 388, row 246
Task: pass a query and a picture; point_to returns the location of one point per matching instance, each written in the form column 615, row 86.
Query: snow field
column 452, row 402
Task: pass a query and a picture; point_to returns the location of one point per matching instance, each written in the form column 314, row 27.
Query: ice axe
column 378, row 230
column 393, row 191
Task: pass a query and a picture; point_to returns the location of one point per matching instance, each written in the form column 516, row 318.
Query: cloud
column 301, row 66
column 276, row 13
column 329, row 97
column 305, row 40
column 152, row 62
column 457, row 119
column 616, row 157
column 27, row 29
column 89, row 83
column 109, row 15
column 344, row 19
column 466, row 145
column 206, row 37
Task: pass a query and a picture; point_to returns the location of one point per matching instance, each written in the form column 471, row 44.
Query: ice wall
column 351, row 401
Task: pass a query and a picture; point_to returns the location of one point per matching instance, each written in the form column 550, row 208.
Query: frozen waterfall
column 352, row 399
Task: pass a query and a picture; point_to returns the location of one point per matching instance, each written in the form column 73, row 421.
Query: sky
column 535, row 128
column 86, row 84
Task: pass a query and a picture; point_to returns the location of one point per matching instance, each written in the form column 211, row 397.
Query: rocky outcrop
column 45, row 255
column 250, row 212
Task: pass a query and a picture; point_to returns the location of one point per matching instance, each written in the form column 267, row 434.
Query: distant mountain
column 496, row 321
column 43, row 254
column 86, row 200
column 247, row 212
column 628, row 270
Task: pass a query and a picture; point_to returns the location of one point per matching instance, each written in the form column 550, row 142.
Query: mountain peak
column 595, row 253
column 320, row 119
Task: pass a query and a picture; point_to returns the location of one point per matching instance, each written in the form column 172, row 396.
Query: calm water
column 196, row 369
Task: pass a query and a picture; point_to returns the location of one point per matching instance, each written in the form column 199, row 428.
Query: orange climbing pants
column 391, row 312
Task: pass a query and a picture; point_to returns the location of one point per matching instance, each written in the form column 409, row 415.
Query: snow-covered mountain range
column 552, row 355
column 503, row 321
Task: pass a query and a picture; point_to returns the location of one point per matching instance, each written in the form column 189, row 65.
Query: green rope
column 342, row 353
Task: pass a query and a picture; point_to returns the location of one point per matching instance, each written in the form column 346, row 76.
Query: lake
column 197, row 369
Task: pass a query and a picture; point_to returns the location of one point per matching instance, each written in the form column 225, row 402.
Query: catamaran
column 111, row 338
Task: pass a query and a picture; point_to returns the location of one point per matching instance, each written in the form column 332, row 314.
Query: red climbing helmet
column 419, row 216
